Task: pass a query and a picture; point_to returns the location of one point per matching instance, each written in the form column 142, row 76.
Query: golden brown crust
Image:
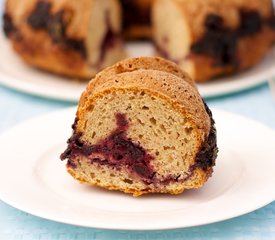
column 200, row 175
column 182, row 95
column 165, row 77
column 134, row 192
column 133, row 64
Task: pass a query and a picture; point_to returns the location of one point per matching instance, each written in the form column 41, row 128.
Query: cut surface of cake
column 209, row 38
column 72, row 38
column 142, row 127
column 136, row 18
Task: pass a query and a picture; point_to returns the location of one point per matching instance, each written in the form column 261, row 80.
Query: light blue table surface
column 16, row 107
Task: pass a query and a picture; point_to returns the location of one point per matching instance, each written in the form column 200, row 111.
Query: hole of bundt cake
column 145, row 108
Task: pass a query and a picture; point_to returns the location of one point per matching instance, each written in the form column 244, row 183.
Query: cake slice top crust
column 158, row 76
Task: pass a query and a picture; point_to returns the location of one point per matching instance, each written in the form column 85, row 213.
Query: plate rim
column 71, row 110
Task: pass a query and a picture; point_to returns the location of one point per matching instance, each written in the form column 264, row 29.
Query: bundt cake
column 208, row 38
column 136, row 18
column 142, row 127
column 72, row 38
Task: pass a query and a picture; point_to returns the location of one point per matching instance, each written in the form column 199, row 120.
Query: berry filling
column 220, row 42
column 42, row 19
column 116, row 150
column 207, row 155
column 10, row 30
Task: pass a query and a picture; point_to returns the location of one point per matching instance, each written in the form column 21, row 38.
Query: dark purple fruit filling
column 133, row 15
column 220, row 42
column 207, row 155
column 42, row 19
column 251, row 22
column 8, row 26
column 116, row 150
column 40, row 15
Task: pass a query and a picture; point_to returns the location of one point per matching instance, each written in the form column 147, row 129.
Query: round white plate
column 15, row 74
column 33, row 179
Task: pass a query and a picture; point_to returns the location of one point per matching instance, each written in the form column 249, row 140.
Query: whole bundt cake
column 142, row 127
column 206, row 38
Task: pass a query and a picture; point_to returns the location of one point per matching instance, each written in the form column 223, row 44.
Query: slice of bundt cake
column 208, row 38
column 72, row 38
column 142, row 127
column 136, row 18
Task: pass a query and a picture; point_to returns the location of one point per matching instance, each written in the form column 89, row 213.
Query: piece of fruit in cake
column 142, row 127
column 209, row 38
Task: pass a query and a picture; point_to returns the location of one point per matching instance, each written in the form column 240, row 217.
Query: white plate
column 15, row 74
column 33, row 179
